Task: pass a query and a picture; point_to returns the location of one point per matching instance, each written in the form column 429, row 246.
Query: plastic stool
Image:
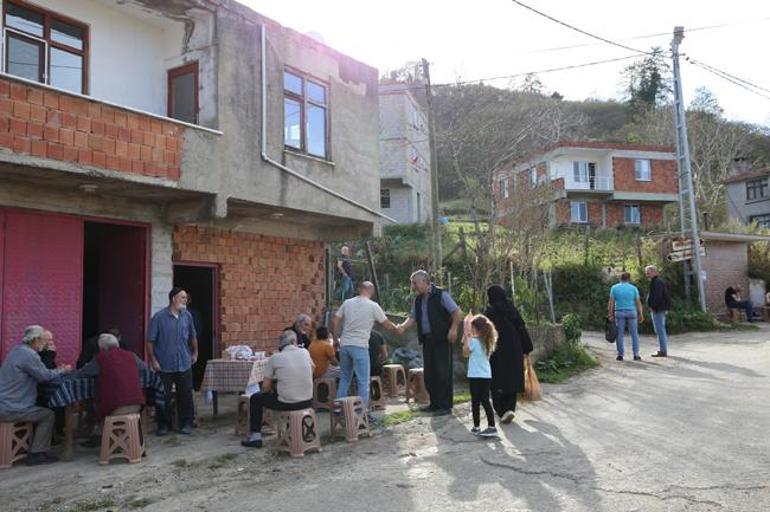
column 376, row 394
column 324, row 391
column 298, row 432
column 15, row 438
column 395, row 379
column 349, row 418
column 122, row 438
column 415, row 387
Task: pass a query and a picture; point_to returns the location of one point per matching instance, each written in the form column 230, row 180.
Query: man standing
column 20, row 374
column 303, row 328
column 345, row 269
column 172, row 349
column 357, row 317
column 625, row 308
column 292, row 369
column 437, row 318
column 659, row 302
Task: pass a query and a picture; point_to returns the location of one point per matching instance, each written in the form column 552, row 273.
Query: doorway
column 200, row 282
column 114, row 282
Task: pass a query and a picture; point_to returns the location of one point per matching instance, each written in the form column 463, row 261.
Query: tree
column 532, row 85
column 648, row 81
column 705, row 102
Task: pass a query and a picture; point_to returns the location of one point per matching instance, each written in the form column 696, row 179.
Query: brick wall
column 725, row 264
column 663, row 174
column 652, row 214
column 265, row 282
column 48, row 124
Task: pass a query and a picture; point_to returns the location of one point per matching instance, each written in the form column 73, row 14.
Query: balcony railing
column 600, row 184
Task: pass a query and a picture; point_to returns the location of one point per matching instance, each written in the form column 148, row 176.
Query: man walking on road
column 437, row 318
column 659, row 302
column 357, row 317
column 625, row 308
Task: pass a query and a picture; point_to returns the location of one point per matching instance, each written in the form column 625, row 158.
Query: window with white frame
column 642, row 170
column 533, row 176
column 632, row 214
column 504, row 193
column 583, row 171
column 578, row 212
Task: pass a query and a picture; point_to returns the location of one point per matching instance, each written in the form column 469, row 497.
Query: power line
column 725, row 76
column 739, row 79
column 580, row 30
column 647, row 36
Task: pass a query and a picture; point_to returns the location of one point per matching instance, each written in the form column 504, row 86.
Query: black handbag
column 610, row 331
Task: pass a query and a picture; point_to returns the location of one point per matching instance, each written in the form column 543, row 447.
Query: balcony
column 601, row 184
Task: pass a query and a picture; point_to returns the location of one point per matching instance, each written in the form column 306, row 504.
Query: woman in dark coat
column 513, row 343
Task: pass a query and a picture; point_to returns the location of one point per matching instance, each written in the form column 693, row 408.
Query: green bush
column 565, row 361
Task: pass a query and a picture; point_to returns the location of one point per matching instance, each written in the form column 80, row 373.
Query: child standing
column 479, row 340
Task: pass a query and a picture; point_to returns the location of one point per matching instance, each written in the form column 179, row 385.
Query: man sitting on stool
column 118, row 387
column 733, row 300
column 292, row 368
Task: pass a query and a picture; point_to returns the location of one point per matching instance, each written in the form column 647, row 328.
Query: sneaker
column 637, row 358
column 162, row 431
column 186, row 430
column 475, row 431
column 619, row 358
column 660, row 354
column 488, row 432
column 257, row 443
column 37, row 459
column 508, row 417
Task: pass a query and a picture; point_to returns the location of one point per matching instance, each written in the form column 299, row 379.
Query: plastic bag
column 610, row 331
column 532, row 391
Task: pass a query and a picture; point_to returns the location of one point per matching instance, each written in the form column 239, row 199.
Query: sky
column 488, row 38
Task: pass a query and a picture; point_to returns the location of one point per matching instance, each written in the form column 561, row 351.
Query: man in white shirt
column 357, row 316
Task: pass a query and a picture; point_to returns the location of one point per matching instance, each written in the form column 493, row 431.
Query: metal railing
column 600, row 183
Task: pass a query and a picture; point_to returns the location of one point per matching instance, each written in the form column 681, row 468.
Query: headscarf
column 498, row 300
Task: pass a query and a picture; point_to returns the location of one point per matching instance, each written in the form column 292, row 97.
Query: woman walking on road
column 513, row 345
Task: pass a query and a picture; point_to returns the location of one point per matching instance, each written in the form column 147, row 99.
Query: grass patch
column 89, row 505
column 461, row 398
column 135, row 503
column 564, row 362
column 181, row 463
column 396, row 418
column 222, row 460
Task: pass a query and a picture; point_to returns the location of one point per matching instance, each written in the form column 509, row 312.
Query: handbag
column 610, row 331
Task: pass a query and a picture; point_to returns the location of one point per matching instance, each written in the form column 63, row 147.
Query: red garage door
column 42, row 279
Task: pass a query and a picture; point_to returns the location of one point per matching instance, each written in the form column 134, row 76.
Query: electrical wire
column 717, row 70
column 579, row 30
column 727, row 77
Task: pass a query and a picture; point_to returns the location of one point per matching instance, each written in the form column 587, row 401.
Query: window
column 578, row 212
column 45, row 47
column 761, row 220
column 533, row 176
column 504, row 193
column 305, row 114
column 583, row 171
column 632, row 214
column 642, row 170
column 756, row 189
column 183, row 93
column 384, row 198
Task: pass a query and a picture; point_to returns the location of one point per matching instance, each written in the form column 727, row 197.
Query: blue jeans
column 347, row 288
column 659, row 324
column 622, row 318
column 354, row 360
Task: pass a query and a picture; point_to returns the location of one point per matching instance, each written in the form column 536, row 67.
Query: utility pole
column 688, row 211
column 438, row 256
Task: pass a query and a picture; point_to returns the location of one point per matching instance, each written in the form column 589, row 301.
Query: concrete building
column 405, row 188
column 190, row 142
column 599, row 184
column 748, row 198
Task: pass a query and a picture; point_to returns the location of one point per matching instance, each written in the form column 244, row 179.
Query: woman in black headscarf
column 513, row 344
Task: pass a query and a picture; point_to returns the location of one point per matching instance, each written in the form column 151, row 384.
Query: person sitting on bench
column 733, row 300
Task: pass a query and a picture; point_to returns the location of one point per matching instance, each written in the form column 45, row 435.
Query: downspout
column 282, row 167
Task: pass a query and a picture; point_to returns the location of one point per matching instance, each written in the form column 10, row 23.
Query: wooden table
column 229, row 376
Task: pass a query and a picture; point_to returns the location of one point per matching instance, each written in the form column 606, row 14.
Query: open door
column 42, row 279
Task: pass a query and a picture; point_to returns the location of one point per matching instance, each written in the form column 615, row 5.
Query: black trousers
column 503, row 401
column 437, row 363
column 480, row 397
column 260, row 401
column 183, row 383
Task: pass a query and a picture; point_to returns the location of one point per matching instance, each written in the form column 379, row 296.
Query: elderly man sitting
column 292, row 368
column 303, row 328
column 20, row 374
column 118, row 385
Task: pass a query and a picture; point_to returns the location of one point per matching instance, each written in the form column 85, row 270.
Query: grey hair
column 422, row 274
column 286, row 338
column 650, row 267
column 106, row 341
column 301, row 318
column 31, row 333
